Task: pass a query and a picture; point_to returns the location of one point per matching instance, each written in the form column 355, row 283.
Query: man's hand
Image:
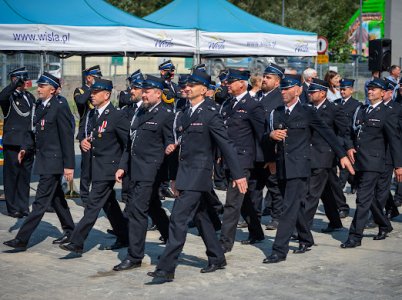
column 86, row 145
column 398, row 174
column 345, row 163
column 278, row 134
column 351, row 155
column 241, row 185
column 271, row 167
column 21, row 155
column 170, row 148
column 69, row 174
column 119, row 175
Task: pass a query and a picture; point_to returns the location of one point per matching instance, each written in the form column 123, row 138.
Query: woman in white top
column 333, row 79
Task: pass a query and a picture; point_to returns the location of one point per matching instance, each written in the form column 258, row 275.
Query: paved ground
column 373, row 271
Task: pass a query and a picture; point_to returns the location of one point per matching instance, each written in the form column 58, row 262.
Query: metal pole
column 283, row 12
column 360, row 43
column 197, row 50
column 83, row 67
column 41, row 64
column 4, row 71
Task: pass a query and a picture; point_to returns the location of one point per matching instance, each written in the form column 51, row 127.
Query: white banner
column 95, row 39
column 263, row 44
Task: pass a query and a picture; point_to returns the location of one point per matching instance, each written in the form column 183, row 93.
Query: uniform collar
column 102, row 109
column 44, row 103
column 238, row 98
column 375, row 105
column 319, row 105
column 346, row 99
column 290, row 108
column 193, row 108
column 151, row 108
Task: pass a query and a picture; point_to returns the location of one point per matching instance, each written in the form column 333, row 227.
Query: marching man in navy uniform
column 290, row 138
column 16, row 103
column 244, row 119
column 375, row 128
column 201, row 129
column 52, row 139
column 150, row 134
column 82, row 98
column 324, row 157
column 130, row 108
column 270, row 97
column 105, row 136
column 349, row 105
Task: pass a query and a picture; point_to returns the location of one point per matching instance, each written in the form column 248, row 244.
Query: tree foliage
column 325, row 17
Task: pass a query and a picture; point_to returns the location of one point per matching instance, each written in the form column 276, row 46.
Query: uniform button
column 93, row 148
column 181, row 159
column 93, row 156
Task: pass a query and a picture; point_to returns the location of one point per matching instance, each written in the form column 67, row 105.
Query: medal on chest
column 102, row 129
column 42, row 124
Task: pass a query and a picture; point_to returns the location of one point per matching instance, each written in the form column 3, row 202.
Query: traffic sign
column 322, row 59
column 117, row 60
column 322, row 45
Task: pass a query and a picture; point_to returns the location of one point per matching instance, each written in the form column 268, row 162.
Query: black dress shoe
column 303, row 248
column 330, row 229
column 117, row 245
column 25, row 213
column 62, row 240
column 163, row 240
column 251, row 241
column 16, row 215
column 382, row 235
column 273, row 225
column 343, row 214
column 273, row 259
column 351, row 244
column 213, row 267
column 126, row 265
column 242, row 225
column 161, row 276
column 72, row 248
column 16, row 244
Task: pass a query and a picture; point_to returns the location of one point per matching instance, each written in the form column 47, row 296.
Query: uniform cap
column 152, row 82
column 290, row 80
column 49, row 79
column 102, row 85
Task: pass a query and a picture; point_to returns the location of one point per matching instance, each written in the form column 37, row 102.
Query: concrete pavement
column 44, row 271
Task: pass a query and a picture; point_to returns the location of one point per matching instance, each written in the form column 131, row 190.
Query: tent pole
column 4, row 71
column 41, row 64
column 83, row 67
column 197, row 59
